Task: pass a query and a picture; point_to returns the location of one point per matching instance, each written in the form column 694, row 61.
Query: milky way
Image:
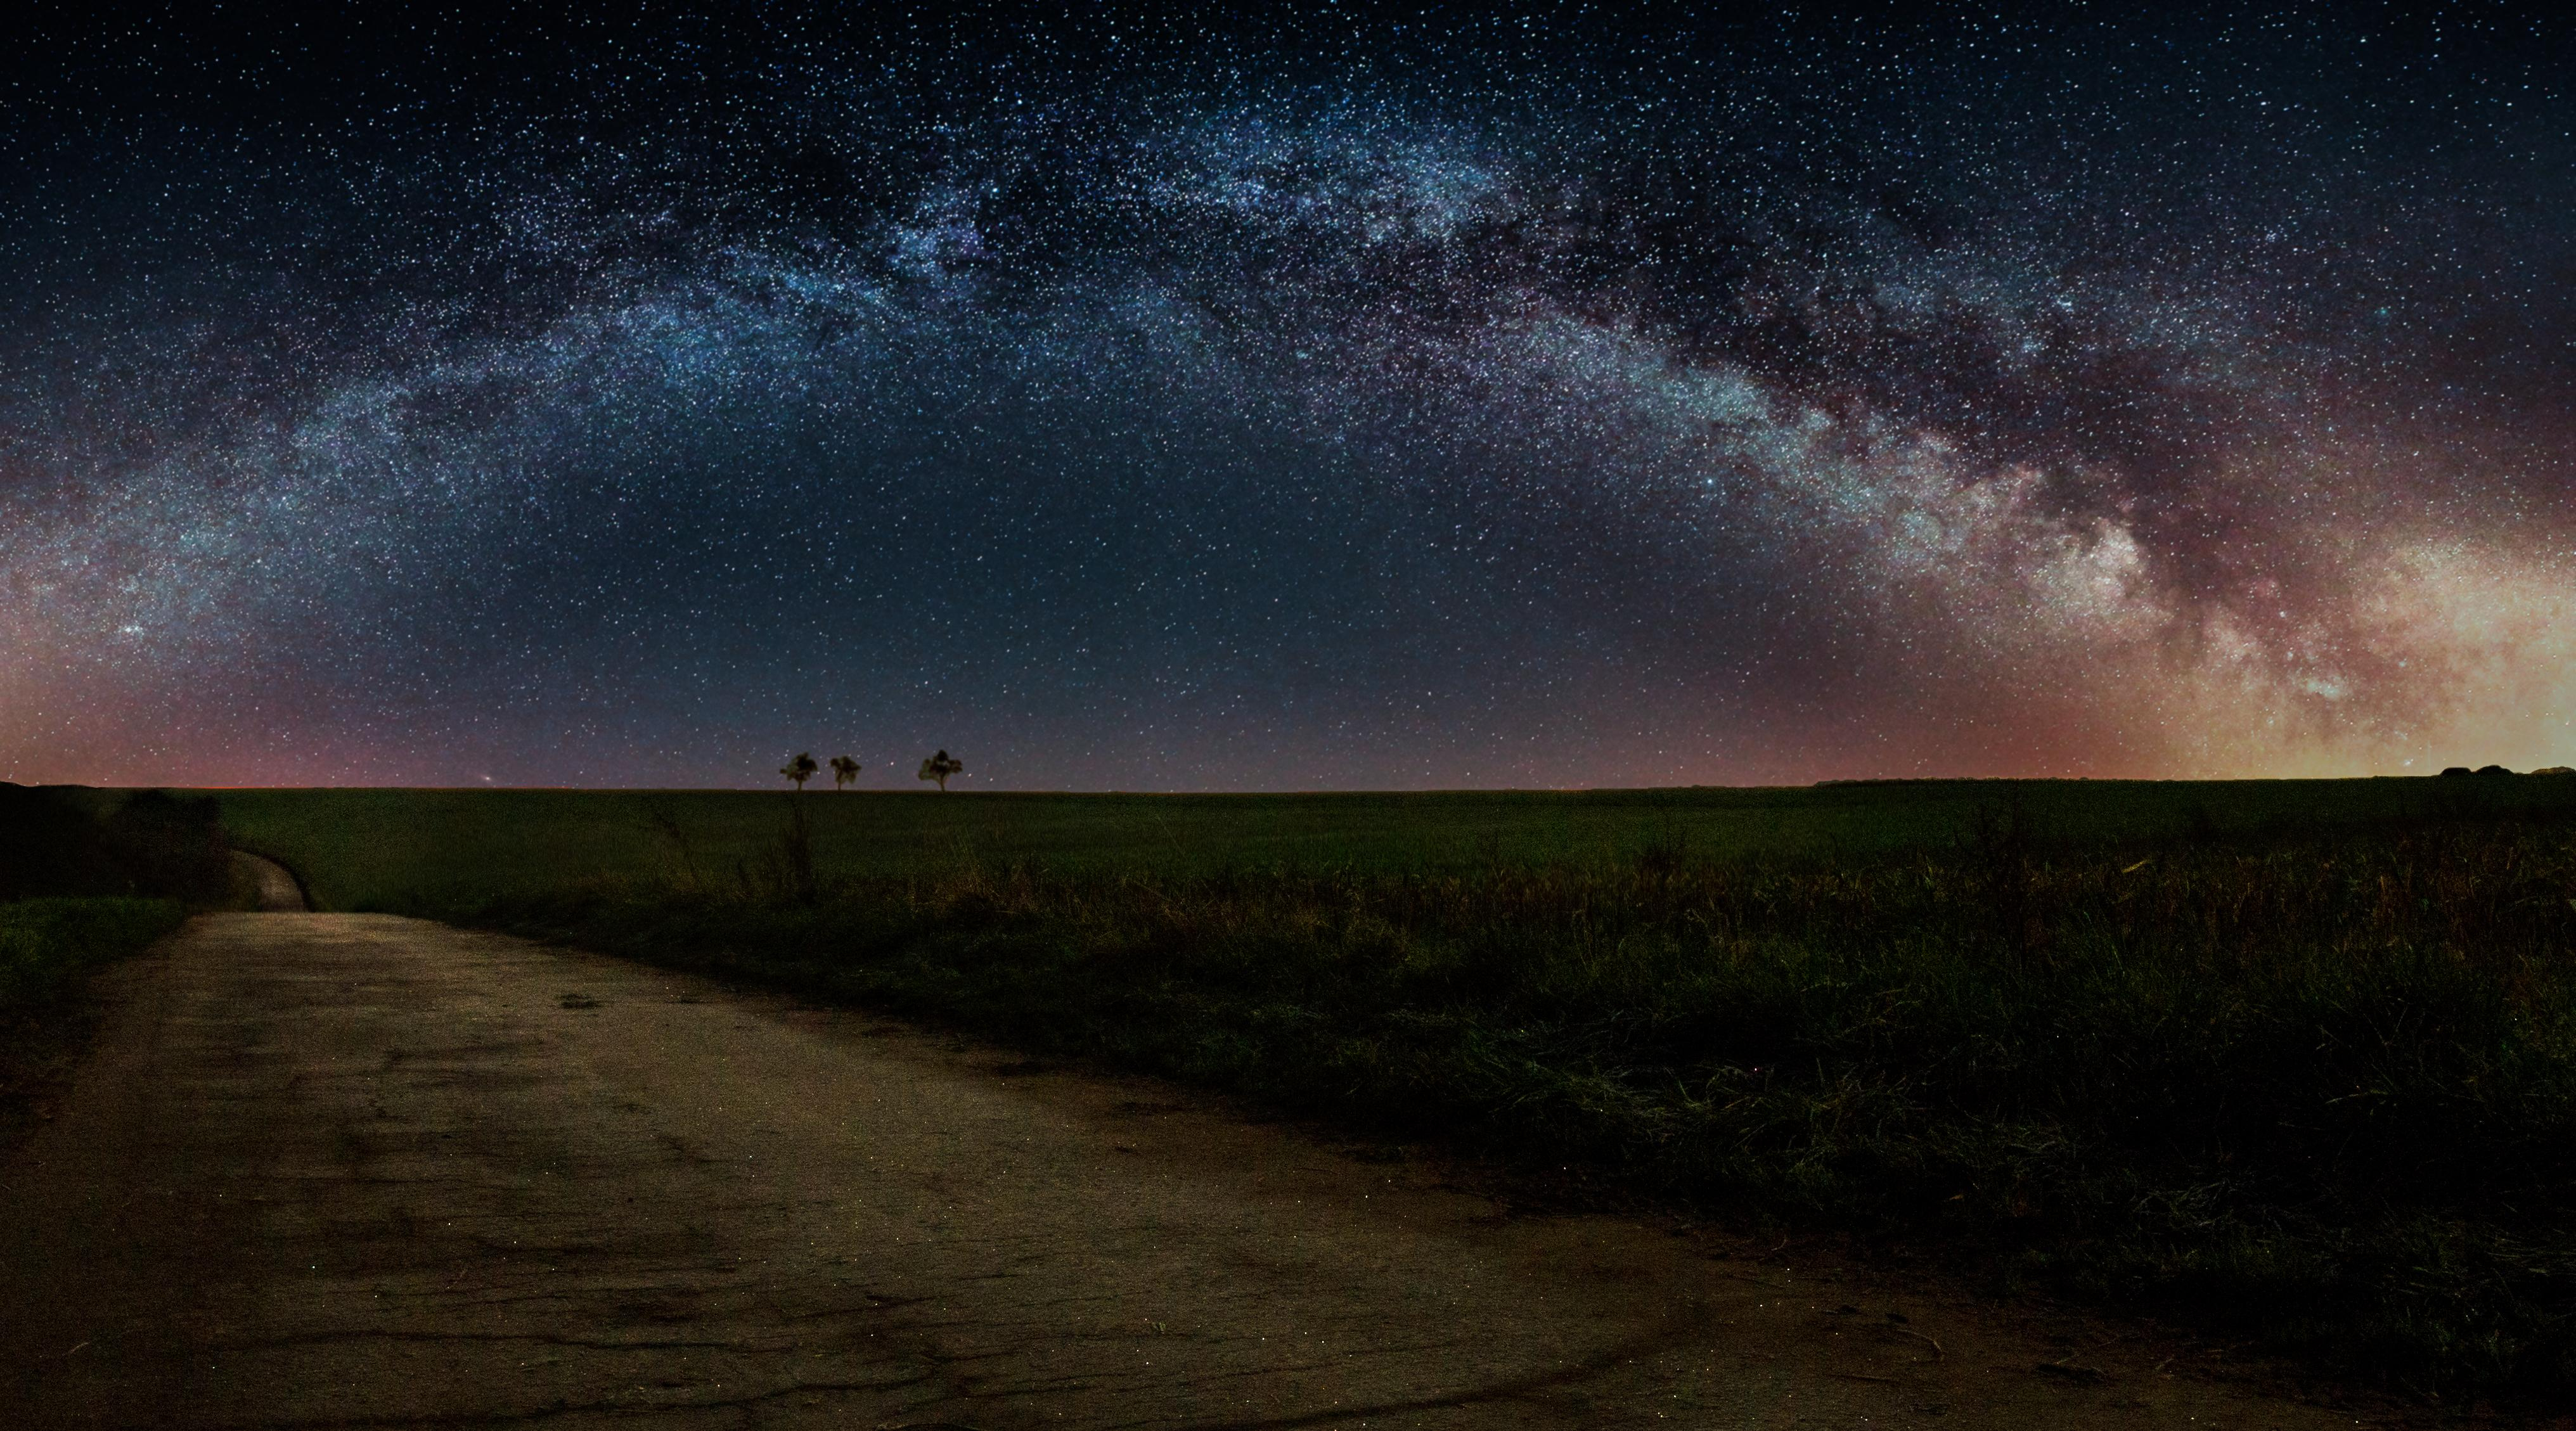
column 1539, row 400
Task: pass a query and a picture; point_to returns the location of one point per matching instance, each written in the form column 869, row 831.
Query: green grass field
column 386, row 848
column 2288, row 1061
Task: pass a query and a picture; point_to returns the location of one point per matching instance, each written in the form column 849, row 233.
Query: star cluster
column 1548, row 397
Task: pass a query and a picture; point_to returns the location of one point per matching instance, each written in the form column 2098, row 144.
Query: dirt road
column 356, row 1170
column 274, row 885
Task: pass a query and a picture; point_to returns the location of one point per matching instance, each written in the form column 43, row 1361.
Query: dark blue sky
column 1561, row 396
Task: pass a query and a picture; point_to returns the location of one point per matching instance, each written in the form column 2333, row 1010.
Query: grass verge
column 48, row 948
column 2318, row 1089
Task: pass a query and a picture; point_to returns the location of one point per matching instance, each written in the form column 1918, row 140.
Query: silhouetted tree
column 844, row 770
column 939, row 767
column 800, row 770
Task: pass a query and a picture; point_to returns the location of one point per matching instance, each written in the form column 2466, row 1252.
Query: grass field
column 401, row 848
column 2288, row 1060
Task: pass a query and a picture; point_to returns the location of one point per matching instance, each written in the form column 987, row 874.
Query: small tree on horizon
column 844, row 770
column 801, row 769
column 939, row 767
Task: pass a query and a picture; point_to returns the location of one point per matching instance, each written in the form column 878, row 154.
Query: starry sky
column 1559, row 395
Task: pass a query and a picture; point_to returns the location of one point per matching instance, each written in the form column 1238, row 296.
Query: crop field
column 360, row 849
column 2290, row 1062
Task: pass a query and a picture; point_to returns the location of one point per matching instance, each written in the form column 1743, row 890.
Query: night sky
column 1552, row 397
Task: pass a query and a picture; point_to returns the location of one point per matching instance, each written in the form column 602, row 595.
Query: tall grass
column 2316, row 1088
